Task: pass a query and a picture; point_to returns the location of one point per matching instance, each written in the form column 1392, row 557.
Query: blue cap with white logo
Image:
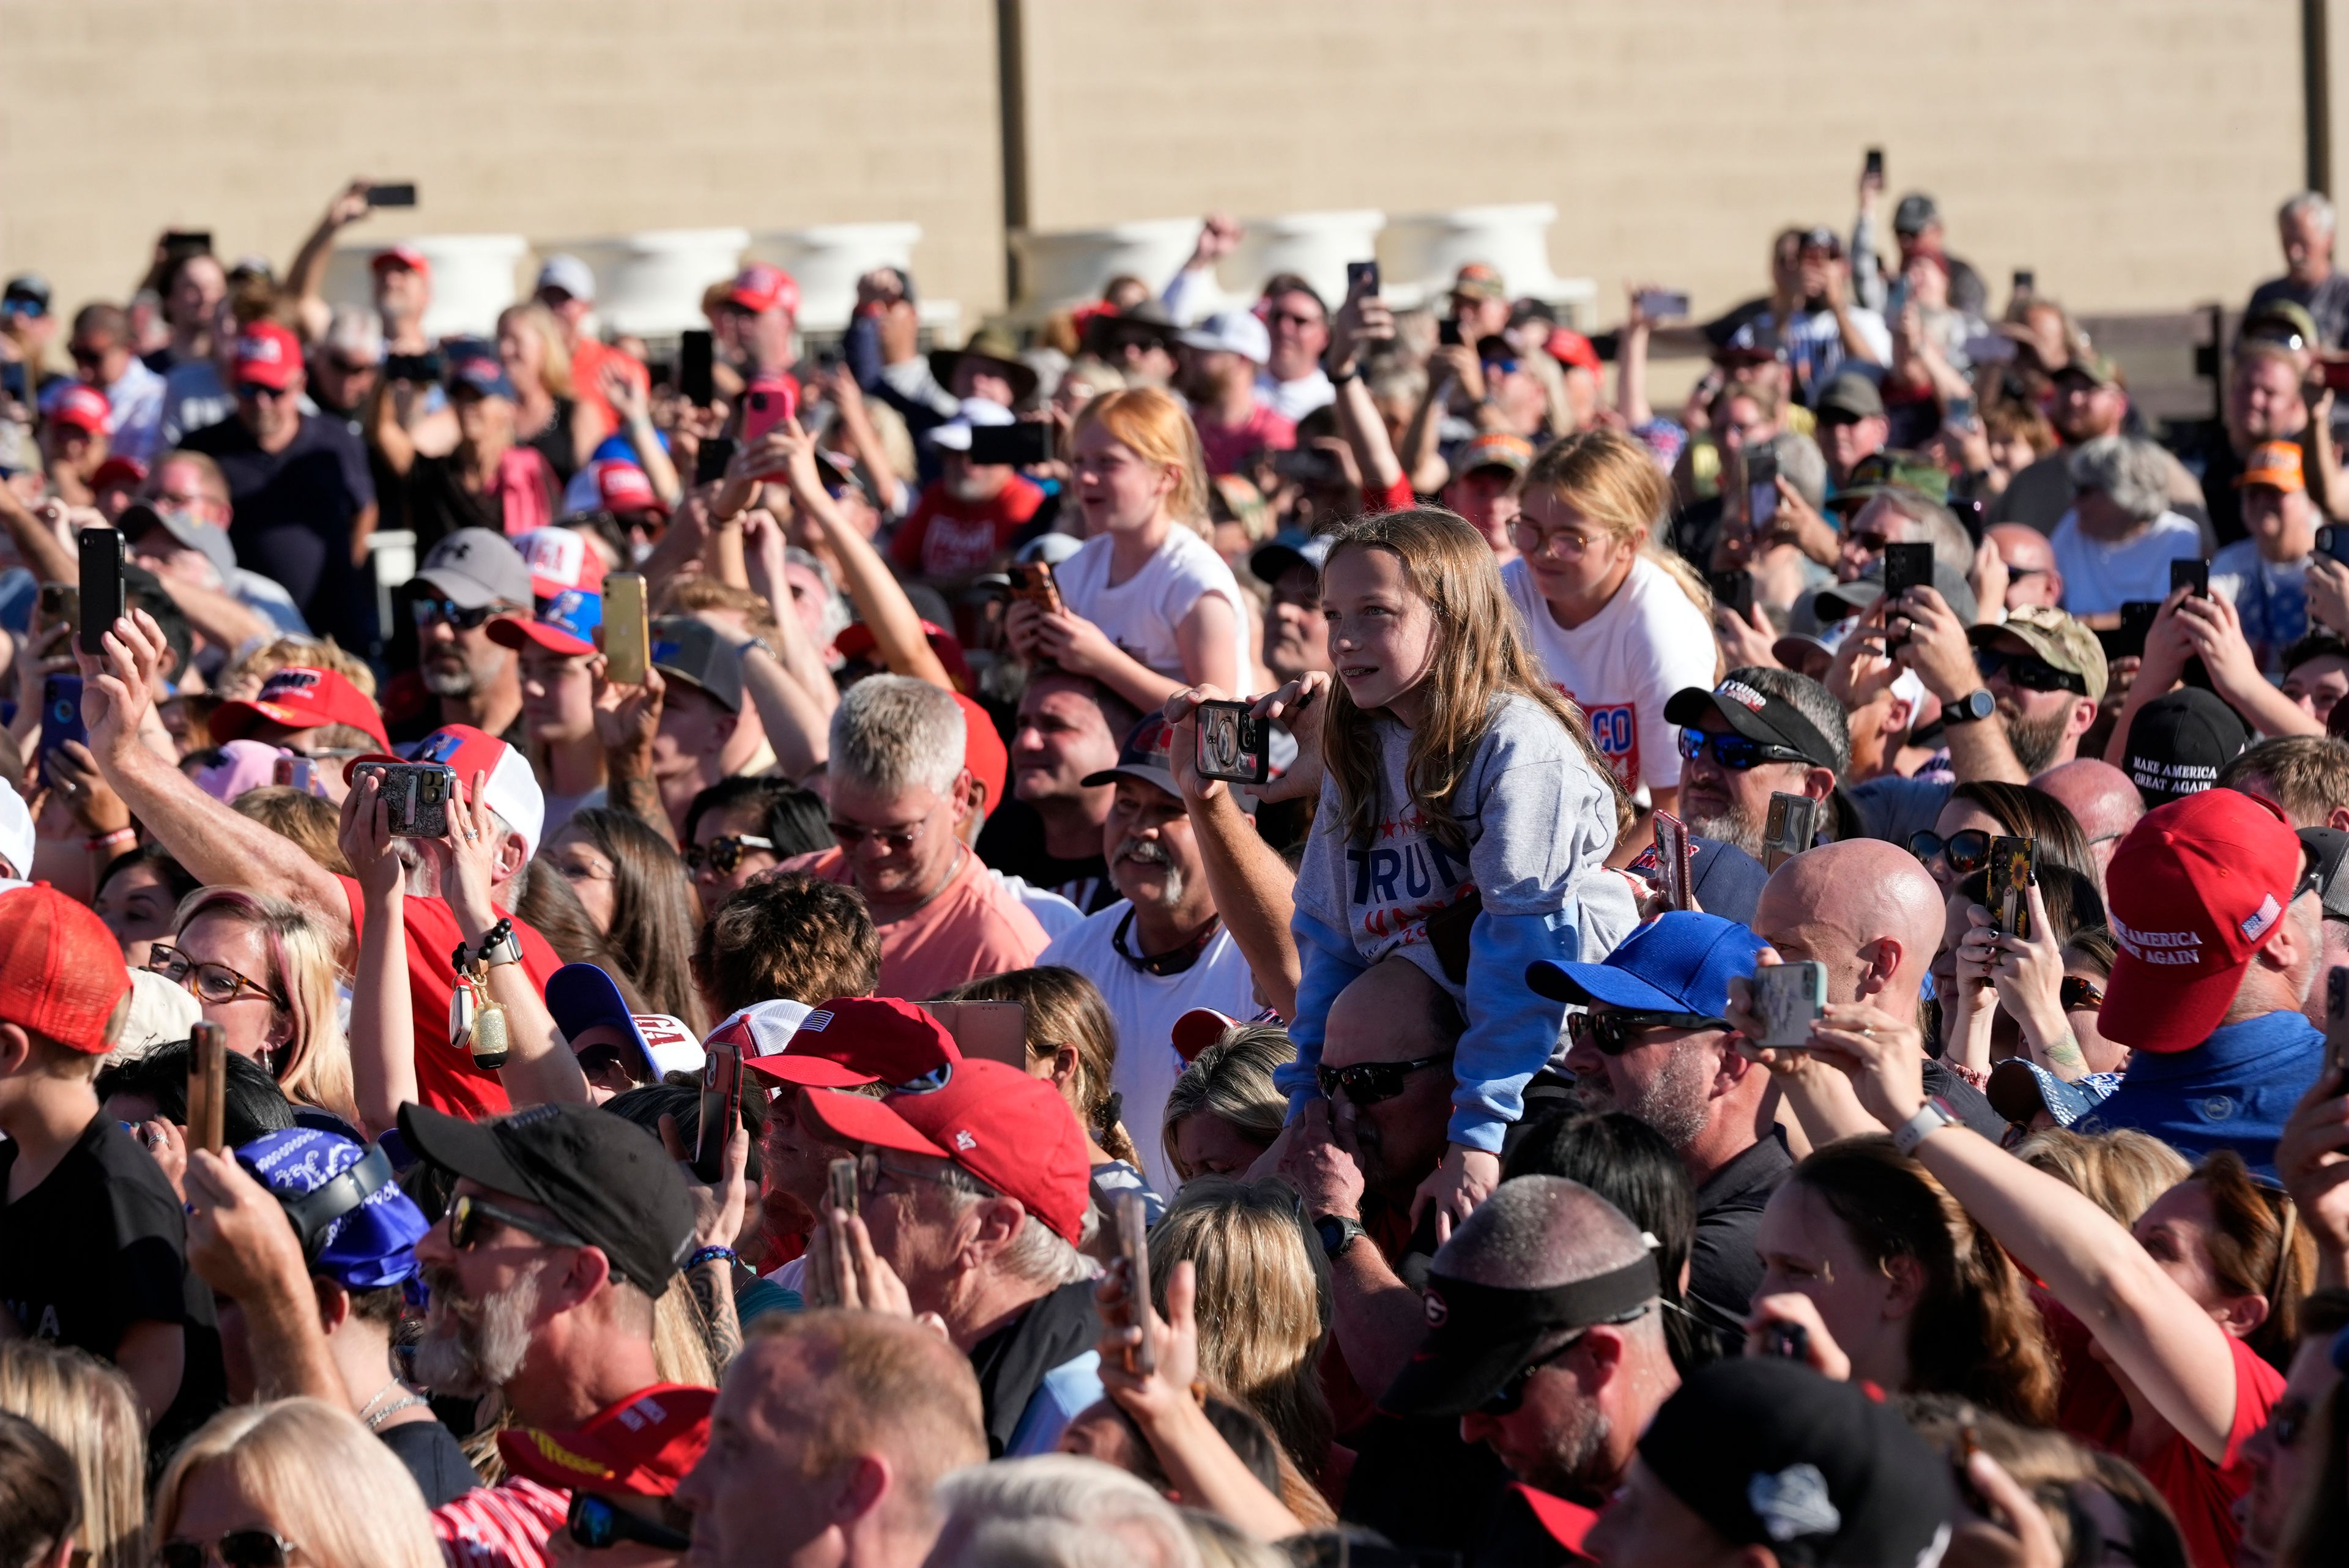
column 1682, row 961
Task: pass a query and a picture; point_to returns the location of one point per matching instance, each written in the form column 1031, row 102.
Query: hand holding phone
column 1232, row 743
column 1787, row 1001
column 721, row 1111
column 1361, row 279
column 1676, row 861
column 102, row 587
column 1134, row 1246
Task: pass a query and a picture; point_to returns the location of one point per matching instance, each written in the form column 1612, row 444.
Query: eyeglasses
column 596, row 1523
column 468, row 1214
column 426, row 611
column 1967, row 850
column 1291, row 318
column 1874, row 543
column 362, row 368
column 722, row 854
column 2027, row 670
column 235, row 1548
column 896, row 840
column 1512, row 1393
column 1368, row 1083
column 871, row 1167
column 260, row 393
column 1611, row 1033
column 1734, row 753
column 2075, row 991
column 206, row 981
column 1534, row 541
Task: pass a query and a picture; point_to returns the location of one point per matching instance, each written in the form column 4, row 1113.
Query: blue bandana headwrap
column 371, row 1246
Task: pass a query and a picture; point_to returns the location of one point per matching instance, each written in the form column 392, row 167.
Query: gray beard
column 1673, row 1103
column 1173, row 886
column 2035, row 741
column 445, row 681
column 473, row 1347
column 1738, row 828
column 1572, row 1467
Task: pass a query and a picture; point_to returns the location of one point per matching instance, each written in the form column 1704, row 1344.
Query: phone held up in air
column 1134, row 1246
column 1232, row 743
column 1663, row 304
column 721, row 1111
column 102, row 587
column 696, row 367
column 712, row 458
column 1675, row 861
column 414, row 796
column 207, row 1086
column 1906, row 566
column 2334, row 542
column 1732, row 591
column 766, row 403
column 1760, row 487
column 627, row 629
column 1876, row 161
column 60, row 715
column 1022, row 444
column 400, row 195
column 2336, row 1020
column 297, row 773
column 1787, row 1000
column 839, row 1185
column 1791, row 827
column 1361, row 279
column 2194, row 576
column 2014, row 866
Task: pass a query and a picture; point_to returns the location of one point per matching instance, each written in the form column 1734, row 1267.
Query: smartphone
column 1134, row 1246
column 1787, row 998
column 102, row 587
column 989, row 1031
column 1907, row 567
column 417, row 368
column 1033, row 581
column 627, row 631
column 1760, row 486
column 2013, row 863
column 2336, row 375
column 1992, row 348
column 765, row 405
column 721, row 1111
column 839, row 1185
column 400, row 195
column 1663, row 304
column 2193, row 575
column 414, row 796
column 1791, row 1339
column 60, row 714
column 61, row 603
column 1016, row 445
column 1790, row 828
column 1675, row 861
column 1733, row 591
column 2336, row 1020
column 1232, row 743
column 694, row 360
column 2126, row 640
column 1361, row 279
column 297, row 773
column 1960, row 414
column 2025, row 280
column 207, row 1086
column 1447, row 334
column 1876, row 161
column 2330, row 541
column 710, row 461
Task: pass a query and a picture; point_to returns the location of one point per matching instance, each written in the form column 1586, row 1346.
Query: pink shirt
column 971, row 928
column 1230, row 447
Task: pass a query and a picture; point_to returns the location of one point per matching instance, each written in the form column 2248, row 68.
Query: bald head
column 1536, row 1231
column 1391, row 1013
column 2032, row 577
column 1864, row 909
column 2101, row 797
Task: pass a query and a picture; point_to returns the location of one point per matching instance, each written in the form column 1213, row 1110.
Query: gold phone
column 627, row 629
column 1134, row 1246
column 207, row 1086
column 840, row 1182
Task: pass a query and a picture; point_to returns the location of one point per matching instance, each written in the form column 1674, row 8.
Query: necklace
column 375, row 1418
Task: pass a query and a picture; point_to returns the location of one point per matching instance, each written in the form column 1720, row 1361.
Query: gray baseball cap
column 475, row 567
column 210, row 543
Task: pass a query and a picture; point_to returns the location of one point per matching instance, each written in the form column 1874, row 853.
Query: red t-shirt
column 1229, row 448
column 588, row 359
column 949, row 537
column 446, row 1078
column 2202, row 1495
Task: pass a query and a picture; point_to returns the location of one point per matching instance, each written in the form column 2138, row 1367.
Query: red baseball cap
column 120, row 474
column 855, row 640
column 983, row 752
column 61, row 973
column 560, row 558
column 1568, row 346
column 508, row 789
column 407, row 256
column 83, row 407
column 622, row 486
column 2194, row 890
column 1011, row 1131
column 760, row 287
column 269, row 356
column 301, row 697
column 852, row 1041
column 641, row 1447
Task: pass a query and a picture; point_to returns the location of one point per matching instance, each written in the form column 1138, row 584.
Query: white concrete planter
column 651, row 282
column 474, row 277
column 1420, row 254
column 1316, row 246
column 828, row 259
column 1059, row 270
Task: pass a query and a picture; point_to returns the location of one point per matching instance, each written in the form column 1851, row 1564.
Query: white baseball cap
column 955, row 434
column 567, row 273
column 1234, row 332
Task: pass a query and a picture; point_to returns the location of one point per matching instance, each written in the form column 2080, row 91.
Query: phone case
column 102, row 587
column 207, row 1086
column 1133, row 1244
column 2191, row 575
column 627, row 633
column 839, row 1184
column 1675, row 861
column 414, row 796
column 1033, row 581
column 2011, row 863
column 1791, row 827
column 721, row 1107
column 987, row 1031
column 1787, row 998
column 1232, row 743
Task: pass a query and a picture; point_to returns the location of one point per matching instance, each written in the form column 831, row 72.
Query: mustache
column 1149, row 851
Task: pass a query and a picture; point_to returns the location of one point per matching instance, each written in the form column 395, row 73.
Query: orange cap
column 2276, row 464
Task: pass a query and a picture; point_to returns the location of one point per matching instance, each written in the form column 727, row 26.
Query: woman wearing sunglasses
column 263, row 969
column 2006, row 995
column 1957, row 843
column 297, row 1481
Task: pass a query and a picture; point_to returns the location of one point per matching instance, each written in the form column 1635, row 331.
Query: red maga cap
column 407, row 256
column 852, row 1041
column 301, row 697
column 641, row 1447
column 61, row 973
column 759, row 287
column 1011, row 1131
column 2194, row 890
column 269, row 356
column 83, row 407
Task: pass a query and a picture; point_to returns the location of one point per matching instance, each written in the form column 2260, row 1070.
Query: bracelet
column 1354, row 374
column 710, row 1255
column 99, row 841
column 499, row 946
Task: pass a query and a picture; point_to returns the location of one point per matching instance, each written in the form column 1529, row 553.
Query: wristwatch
column 1976, row 706
column 1337, row 1233
column 1930, row 1117
column 505, row 946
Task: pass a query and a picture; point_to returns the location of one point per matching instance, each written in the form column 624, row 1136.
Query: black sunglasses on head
column 1368, row 1083
column 2028, row 671
column 596, row 1523
column 1614, row 1031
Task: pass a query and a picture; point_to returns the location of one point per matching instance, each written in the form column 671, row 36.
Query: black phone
column 400, row 195
column 695, row 358
column 1447, row 333
column 2193, row 575
column 1760, row 486
column 1907, row 567
column 1733, row 591
column 1790, row 1340
column 2334, row 542
column 710, row 461
column 1361, row 279
column 102, row 587
column 416, row 368
column 1876, row 161
column 188, row 242
column 721, row 1111
column 2126, row 640
column 1232, row 745
column 2025, row 280
column 1019, row 444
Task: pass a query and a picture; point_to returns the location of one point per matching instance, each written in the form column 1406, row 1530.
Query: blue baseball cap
column 581, row 997
column 369, row 1242
column 1678, row 962
column 474, row 366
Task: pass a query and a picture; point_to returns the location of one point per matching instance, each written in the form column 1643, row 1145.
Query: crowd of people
column 1331, row 1131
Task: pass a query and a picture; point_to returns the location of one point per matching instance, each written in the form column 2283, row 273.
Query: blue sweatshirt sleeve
column 1511, row 1031
column 1328, row 964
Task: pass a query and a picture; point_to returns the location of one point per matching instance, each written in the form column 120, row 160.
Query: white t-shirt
column 2100, row 577
column 1053, row 912
column 1622, row 665
column 1140, row 615
column 1146, row 1006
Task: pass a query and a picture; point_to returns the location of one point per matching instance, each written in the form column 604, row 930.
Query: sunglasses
column 1512, row 1393
column 426, row 611
column 87, row 355
column 722, row 854
column 2028, row 671
column 468, row 1215
column 1734, row 753
column 1368, row 1083
column 236, row 1548
column 259, row 393
column 896, row 840
column 1967, row 850
column 206, row 981
column 1614, row 1031
column 595, row 1523
column 2075, row 991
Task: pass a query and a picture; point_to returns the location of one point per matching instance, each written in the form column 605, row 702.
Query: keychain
column 476, row 1021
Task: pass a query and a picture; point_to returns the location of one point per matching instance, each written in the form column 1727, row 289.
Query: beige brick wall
column 2133, row 154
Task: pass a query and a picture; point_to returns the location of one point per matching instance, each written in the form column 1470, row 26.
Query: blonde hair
column 554, row 368
column 1066, row 1008
column 242, row 680
column 2121, row 1171
column 304, row 1462
column 681, row 1339
column 309, row 820
column 1610, row 478
column 1231, row 1080
column 88, row 1408
column 1157, row 427
column 1480, row 659
column 316, row 1066
column 1263, row 1302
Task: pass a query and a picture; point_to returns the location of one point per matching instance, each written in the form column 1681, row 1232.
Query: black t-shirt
column 294, row 512
column 1724, row 1269
column 432, row 1456
column 1012, row 842
column 100, row 1245
column 554, row 442
column 437, row 503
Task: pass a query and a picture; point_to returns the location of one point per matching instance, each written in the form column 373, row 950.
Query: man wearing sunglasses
column 104, row 357
column 470, row 579
column 1760, row 733
column 1653, row 1041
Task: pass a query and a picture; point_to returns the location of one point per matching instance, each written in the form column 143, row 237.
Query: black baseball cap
column 1754, row 715
column 1769, row 1453
column 2328, row 854
column 606, row 1180
column 2179, row 741
column 1480, row 1336
column 690, row 649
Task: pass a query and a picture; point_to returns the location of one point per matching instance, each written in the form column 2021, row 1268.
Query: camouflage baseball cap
column 1892, row 469
column 2056, row 637
column 2097, row 368
column 1479, row 280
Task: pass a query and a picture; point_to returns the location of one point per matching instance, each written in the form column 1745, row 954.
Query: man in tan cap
column 2045, row 674
column 2264, row 574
